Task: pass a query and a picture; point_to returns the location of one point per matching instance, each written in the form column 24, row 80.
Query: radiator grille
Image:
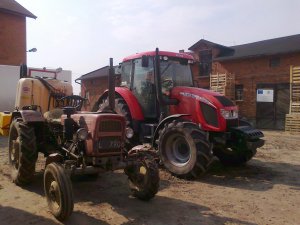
column 209, row 114
column 110, row 126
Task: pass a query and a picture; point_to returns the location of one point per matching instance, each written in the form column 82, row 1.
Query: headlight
column 229, row 114
column 82, row 134
column 129, row 132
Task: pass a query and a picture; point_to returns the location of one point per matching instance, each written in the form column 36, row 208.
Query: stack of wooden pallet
column 292, row 122
column 224, row 84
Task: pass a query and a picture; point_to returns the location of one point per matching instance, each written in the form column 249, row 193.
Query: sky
column 81, row 35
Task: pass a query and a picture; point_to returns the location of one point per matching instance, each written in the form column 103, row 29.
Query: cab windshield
column 178, row 72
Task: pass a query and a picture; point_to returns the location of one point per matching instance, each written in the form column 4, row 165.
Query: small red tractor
column 48, row 120
column 185, row 124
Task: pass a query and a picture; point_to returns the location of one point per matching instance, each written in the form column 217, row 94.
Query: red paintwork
column 189, row 103
column 91, row 122
column 162, row 53
column 133, row 105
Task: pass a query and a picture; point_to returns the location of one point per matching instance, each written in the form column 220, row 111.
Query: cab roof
column 161, row 53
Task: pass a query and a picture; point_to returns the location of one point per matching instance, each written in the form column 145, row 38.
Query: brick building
column 93, row 84
column 261, row 72
column 13, row 32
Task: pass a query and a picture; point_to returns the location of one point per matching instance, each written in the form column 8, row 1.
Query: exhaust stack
column 111, row 85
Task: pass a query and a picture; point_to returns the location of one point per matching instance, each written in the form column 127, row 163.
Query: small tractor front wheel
column 143, row 178
column 58, row 191
column 22, row 152
column 184, row 149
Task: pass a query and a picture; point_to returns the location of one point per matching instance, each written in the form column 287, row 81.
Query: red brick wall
column 249, row 72
column 12, row 39
column 95, row 88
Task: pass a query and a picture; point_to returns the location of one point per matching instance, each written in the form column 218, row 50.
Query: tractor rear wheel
column 231, row 156
column 58, row 191
column 184, row 149
column 143, row 178
column 22, row 152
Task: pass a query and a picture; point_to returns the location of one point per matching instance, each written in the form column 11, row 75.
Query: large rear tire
column 143, row 178
column 58, row 191
column 229, row 156
column 184, row 149
column 22, row 152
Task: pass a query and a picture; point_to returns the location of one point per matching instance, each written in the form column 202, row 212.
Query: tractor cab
column 151, row 80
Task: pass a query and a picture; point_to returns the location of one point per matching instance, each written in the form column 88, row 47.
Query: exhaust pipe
column 111, row 85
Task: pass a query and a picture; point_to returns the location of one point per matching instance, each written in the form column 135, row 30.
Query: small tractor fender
column 28, row 116
column 163, row 122
column 54, row 157
column 131, row 101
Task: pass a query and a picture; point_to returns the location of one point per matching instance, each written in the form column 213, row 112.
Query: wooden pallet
column 292, row 123
column 294, row 88
column 295, row 107
column 223, row 84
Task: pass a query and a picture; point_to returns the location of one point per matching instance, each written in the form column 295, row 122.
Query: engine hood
column 199, row 94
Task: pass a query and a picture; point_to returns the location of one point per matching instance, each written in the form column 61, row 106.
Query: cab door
column 144, row 89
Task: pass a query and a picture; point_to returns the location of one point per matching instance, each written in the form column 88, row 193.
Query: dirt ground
column 265, row 191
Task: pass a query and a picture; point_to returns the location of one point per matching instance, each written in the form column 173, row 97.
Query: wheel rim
column 177, row 150
column 53, row 192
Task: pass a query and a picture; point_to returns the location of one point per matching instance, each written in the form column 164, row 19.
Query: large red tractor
column 185, row 124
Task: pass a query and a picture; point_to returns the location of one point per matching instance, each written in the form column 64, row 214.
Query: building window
column 274, row 62
column 205, row 64
column 239, row 92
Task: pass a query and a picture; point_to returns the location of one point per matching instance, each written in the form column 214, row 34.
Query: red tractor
column 185, row 124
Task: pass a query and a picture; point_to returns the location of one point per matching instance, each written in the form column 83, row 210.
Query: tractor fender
column 163, row 122
column 28, row 116
column 54, row 157
column 131, row 101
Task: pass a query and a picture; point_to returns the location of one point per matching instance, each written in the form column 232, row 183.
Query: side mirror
column 145, row 61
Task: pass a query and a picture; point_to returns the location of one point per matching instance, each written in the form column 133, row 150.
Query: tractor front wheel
column 184, row 149
column 58, row 191
column 143, row 178
column 22, row 152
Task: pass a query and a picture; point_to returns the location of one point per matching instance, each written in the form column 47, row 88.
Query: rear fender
column 162, row 123
column 28, row 116
column 131, row 101
column 54, row 157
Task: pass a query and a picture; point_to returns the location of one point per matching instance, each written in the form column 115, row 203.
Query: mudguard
column 163, row 122
column 29, row 115
column 131, row 101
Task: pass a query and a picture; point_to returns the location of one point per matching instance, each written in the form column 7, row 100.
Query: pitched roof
column 282, row 45
column 102, row 72
column 13, row 7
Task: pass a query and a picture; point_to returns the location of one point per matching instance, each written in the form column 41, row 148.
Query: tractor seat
column 54, row 115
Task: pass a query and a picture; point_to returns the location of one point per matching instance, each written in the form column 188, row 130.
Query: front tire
column 22, row 152
column 184, row 149
column 143, row 178
column 58, row 191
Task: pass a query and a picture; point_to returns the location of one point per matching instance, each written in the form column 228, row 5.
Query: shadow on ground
column 255, row 172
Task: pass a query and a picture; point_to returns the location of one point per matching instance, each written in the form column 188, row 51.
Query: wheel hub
column 178, row 150
column 54, row 194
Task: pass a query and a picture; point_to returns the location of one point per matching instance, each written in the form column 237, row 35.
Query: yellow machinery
column 42, row 92
column 5, row 118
